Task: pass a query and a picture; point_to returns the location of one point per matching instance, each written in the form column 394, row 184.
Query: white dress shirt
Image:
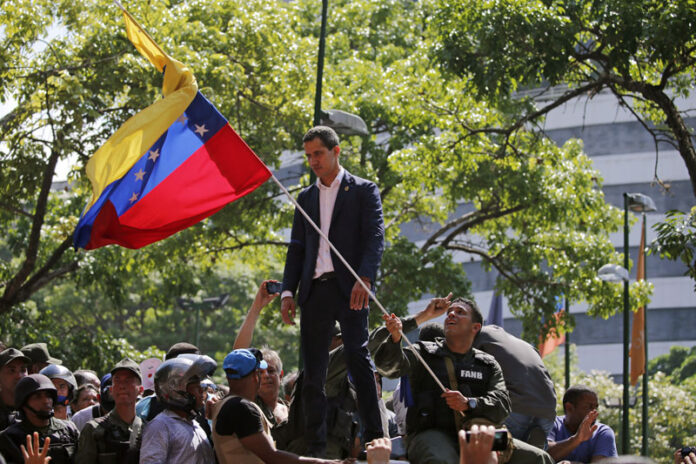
column 327, row 201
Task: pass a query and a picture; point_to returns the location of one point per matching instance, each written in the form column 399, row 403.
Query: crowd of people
column 467, row 393
column 257, row 416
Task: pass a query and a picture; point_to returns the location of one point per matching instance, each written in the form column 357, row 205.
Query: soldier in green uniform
column 35, row 396
column 13, row 366
column 115, row 438
column 474, row 386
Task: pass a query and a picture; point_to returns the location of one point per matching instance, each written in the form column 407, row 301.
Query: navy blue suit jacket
column 357, row 231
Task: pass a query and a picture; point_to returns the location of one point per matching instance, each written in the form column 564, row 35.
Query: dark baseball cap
column 10, row 355
column 128, row 365
column 242, row 362
column 38, row 352
column 181, row 348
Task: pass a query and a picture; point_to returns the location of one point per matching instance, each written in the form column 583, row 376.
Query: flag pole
column 358, row 279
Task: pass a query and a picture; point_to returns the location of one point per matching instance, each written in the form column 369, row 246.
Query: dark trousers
column 325, row 305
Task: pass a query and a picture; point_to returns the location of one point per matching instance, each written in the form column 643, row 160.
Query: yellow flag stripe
column 144, row 43
column 121, row 151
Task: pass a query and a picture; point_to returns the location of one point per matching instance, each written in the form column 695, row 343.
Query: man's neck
column 329, row 178
column 6, row 402
column 270, row 400
column 459, row 345
column 571, row 428
column 36, row 422
column 126, row 412
column 182, row 414
column 246, row 393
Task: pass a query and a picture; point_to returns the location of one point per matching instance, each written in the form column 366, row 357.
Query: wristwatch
column 472, row 403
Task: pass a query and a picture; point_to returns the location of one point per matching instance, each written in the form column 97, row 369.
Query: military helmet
column 172, row 377
column 54, row 371
column 32, row 384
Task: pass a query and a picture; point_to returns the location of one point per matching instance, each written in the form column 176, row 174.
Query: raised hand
column 31, row 453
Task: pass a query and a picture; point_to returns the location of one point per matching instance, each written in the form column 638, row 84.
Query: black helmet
column 32, row 384
column 173, row 375
column 54, row 371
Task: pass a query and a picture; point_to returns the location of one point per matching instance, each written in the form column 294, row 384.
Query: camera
column 500, row 440
column 273, row 287
column 686, row 450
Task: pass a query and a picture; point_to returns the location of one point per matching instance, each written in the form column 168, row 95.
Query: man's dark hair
column 430, row 331
column 476, row 315
column 82, row 376
column 81, row 388
column 574, row 393
column 326, row 134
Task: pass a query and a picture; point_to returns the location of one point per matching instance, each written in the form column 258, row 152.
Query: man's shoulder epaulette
column 484, row 357
column 428, row 347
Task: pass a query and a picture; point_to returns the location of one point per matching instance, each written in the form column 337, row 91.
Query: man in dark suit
column 348, row 210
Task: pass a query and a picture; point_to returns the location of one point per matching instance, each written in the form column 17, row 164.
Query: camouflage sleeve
column 380, row 334
column 87, row 446
column 495, row 405
column 391, row 360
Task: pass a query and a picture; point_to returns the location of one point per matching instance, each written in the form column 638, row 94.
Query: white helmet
column 172, row 377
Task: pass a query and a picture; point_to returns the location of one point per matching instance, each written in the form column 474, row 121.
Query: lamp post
column 614, row 273
column 567, row 351
column 211, row 302
column 340, row 121
column 642, row 204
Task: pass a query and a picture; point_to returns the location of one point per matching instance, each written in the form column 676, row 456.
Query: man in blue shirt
column 577, row 436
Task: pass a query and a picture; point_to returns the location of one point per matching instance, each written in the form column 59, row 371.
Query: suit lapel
column 343, row 193
column 313, row 205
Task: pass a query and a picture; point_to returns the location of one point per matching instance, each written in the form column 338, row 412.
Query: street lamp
column 340, row 121
column 616, row 273
column 611, row 272
column 642, row 204
column 211, row 303
column 567, row 350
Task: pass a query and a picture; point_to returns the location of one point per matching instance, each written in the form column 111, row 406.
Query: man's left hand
column 359, row 297
column 455, row 400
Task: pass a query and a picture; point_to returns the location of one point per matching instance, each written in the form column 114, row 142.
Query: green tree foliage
column 464, row 176
column 676, row 240
column 642, row 51
column 678, row 365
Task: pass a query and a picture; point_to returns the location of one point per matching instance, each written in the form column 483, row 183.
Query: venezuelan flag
column 168, row 167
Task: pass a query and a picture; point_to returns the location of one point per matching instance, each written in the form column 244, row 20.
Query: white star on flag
column 200, row 130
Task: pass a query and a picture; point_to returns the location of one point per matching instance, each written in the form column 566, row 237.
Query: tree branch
column 676, row 123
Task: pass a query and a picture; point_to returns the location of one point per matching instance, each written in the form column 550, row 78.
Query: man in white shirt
column 174, row 436
column 348, row 210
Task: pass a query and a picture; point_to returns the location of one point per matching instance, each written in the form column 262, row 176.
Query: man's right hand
column 587, row 426
column 287, row 309
column 394, row 326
